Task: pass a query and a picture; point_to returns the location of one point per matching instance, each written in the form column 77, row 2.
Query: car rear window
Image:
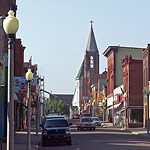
column 56, row 123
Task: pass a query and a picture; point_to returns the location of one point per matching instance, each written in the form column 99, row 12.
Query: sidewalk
column 20, row 141
column 136, row 131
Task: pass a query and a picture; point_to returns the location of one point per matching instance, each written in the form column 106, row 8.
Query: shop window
column 136, row 116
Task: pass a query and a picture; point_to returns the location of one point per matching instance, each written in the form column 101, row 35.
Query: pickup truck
column 56, row 130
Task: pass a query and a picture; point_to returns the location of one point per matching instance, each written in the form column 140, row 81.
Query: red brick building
column 146, row 79
column 19, row 106
column 114, row 56
column 133, row 86
column 6, row 5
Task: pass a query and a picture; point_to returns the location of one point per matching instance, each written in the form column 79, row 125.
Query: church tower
column 91, row 64
column 91, row 58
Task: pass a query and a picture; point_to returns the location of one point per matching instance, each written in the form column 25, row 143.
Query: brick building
column 19, row 72
column 114, row 56
column 133, row 86
column 146, row 79
column 6, row 5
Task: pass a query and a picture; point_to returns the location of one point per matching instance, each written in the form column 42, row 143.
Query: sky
column 55, row 33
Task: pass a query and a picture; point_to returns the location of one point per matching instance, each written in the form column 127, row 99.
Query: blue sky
column 55, row 33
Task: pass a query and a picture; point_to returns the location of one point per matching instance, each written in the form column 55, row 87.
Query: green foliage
column 58, row 106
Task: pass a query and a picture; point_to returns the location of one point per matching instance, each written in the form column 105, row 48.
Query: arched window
column 91, row 62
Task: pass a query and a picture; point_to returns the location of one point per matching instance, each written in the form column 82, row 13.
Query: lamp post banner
column 21, row 85
column 2, row 68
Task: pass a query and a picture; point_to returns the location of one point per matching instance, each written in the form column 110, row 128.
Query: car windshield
column 85, row 115
column 95, row 119
column 56, row 123
column 86, row 120
column 49, row 117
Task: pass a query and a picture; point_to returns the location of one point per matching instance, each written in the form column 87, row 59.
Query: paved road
column 103, row 139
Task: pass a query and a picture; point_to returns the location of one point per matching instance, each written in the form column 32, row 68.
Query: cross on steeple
column 91, row 23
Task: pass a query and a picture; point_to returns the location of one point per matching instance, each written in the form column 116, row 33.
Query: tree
column 59, row 106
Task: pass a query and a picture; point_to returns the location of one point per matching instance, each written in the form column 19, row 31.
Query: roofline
column 110, row 48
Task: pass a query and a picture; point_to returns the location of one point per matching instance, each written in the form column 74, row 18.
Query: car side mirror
column 70, row 124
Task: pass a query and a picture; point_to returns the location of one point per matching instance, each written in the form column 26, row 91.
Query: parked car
column 56, row 130
column 85, row 115
column 97, row 121
column 86, row 123
column 75, row 116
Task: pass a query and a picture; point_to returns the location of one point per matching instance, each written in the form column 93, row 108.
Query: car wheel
column 43, row 143
column 69, row 142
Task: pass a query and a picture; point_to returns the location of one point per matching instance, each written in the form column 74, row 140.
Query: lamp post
column 147, row 92
column 10, row 25
column 29, row 77
column 113, row 114
column 103, row 110
column 125, row 96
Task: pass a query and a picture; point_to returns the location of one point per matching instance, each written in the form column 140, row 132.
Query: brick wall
column 19, row 58
column 110, row 74
column 136, row 83
column 133, row 80
column 5, row 6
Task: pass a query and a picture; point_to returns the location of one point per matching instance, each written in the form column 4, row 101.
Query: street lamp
column 113, row 120
column 10, row 25
column 125, row 96
column 29, row 77
column 103, row 101
column 147, row 92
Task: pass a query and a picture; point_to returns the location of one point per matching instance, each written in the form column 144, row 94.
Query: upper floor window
column 91, row 62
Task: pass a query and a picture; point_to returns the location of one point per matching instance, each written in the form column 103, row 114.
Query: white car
column 85, row 123
column 97, row 121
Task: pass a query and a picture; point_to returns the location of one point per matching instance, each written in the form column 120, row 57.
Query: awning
column 120, row 111
column 115, row 106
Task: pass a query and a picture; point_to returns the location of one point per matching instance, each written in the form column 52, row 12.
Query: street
column 105, row 139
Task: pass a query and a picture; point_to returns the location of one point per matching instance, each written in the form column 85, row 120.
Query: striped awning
column 115, row 106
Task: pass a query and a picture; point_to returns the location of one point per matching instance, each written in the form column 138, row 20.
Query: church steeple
column 91, row 45
column 91, row 57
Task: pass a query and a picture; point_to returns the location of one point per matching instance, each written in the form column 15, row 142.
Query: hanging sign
column 21, row 85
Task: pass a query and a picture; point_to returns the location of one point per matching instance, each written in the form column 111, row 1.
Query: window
column 136, row 116
column 91, row 62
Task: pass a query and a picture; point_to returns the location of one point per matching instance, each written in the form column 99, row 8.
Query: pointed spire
column 91, row 45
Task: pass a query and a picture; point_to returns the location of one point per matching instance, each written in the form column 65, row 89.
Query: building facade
column 114, row 56
column 133, row 87
column 146, row 79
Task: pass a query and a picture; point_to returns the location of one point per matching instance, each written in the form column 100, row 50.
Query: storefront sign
column 109, row 101
column 20, row 85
